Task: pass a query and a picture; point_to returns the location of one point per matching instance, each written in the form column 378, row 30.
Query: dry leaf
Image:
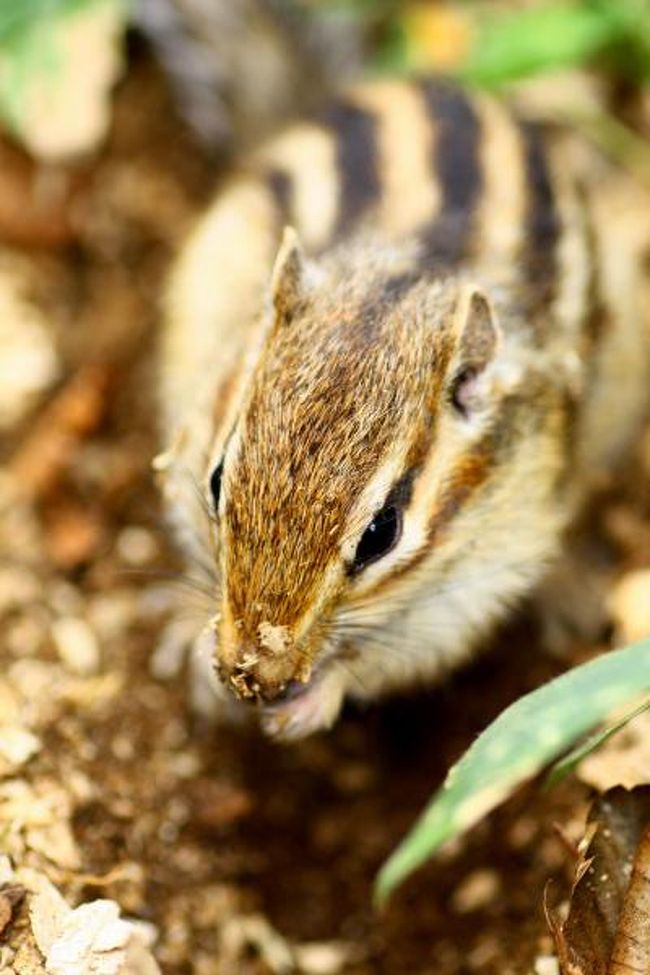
column 631, row 953
column 47, row 908
column 95, row 940
column 622, row 760
column 92, row 939
column 608, row 916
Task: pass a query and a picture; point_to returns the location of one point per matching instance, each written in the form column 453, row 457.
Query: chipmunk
column 400, row 346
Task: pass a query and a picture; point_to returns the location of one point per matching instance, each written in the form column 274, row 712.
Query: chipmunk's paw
column 314, row 707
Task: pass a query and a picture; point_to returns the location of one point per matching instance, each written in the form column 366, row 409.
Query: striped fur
column 463, row 311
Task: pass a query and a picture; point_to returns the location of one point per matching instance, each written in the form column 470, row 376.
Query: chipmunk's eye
column 215, row 484
column 381, row 535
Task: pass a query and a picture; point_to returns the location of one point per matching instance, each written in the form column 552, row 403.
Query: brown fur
column 485, row 345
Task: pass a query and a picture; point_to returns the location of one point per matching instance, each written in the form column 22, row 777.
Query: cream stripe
column 573, row 256
column 307, row 154
column 500, row 220
column 410, row 195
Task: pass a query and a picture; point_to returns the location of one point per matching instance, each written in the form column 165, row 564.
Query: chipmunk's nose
column 259, row 683
column 247, row 687
column 258, row 661
column 257, row 673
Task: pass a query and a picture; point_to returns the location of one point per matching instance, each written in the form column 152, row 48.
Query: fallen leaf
column 92, row 939
column 47, row 908
column 95, row 940
column 609, row 914
column 631, row 953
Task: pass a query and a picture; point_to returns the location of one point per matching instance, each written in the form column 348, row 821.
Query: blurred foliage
column 491, row 43
column 18, row 18
column 31, row 47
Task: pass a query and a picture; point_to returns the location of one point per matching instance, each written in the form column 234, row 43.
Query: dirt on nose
column 263, row 672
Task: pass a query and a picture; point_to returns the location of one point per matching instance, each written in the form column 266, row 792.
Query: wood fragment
column 69, row 418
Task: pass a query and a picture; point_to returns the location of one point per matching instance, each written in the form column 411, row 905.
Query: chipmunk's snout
column 263, row 670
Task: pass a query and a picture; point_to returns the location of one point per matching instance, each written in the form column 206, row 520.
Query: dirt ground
column 247, row 857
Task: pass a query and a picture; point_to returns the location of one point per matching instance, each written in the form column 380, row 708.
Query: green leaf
column 567, row 764
column 546, row 37
column 525, row 737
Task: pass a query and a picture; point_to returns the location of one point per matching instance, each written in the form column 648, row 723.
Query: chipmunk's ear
column 478, row 331
column 479, row 336
column 288, row 275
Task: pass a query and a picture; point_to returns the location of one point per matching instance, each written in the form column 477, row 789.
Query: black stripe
column 355, row 132
column 457, row 167
column 595, row 320
column 542, row 225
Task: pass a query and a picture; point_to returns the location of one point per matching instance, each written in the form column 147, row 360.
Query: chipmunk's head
column 370, row 419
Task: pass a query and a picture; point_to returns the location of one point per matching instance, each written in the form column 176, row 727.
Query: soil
column 233, row 847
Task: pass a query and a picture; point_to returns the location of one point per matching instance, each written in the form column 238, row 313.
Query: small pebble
column 476, row 891
column 65, row 599
column 111, row 614
column 136, row 546
column 547, row 965
column 24, row 637
column 18, row 587
column 322, row 958
column 17, row 745
column 77, row 645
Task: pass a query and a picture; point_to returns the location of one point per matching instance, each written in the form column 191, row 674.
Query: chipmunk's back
column 470, row 184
